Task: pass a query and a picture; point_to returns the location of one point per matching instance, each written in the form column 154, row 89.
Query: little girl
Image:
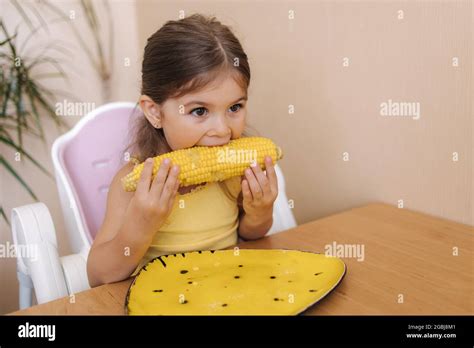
column 195, row 77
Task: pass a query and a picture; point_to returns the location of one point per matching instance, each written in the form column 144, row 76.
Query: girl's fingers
column 173, row 196
column 143, row 185
column 169, row 185
column 176, row 186
column 253, row 183
column 246, row 194
column 262, row 179
column 271, row 174
column 160, row 178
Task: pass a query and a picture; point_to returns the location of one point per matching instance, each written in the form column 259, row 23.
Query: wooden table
column 406, row 253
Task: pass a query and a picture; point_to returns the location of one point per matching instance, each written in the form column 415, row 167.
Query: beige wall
column 337, row 107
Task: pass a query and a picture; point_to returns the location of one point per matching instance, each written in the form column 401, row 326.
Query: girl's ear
column 151, row 110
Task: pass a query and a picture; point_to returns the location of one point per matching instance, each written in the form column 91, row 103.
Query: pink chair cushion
column 92, row 158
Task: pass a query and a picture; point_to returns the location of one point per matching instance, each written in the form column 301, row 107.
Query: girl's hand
column 151, row 204
column 259, row 191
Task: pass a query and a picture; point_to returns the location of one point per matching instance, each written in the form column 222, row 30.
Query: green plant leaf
column 13, row 172
column 58, row 46
column 23, row 151
column 33, row 33
column 22, row 13
column 75, row 31
column 35, row 90
column 7, row 35
column 2, row 213
column 49, row 76
column 6, row 97
column 36, row 115
column 4, row 127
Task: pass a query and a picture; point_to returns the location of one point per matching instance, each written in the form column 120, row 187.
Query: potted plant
column 24, row 100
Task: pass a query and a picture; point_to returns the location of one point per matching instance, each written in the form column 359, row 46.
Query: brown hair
column 184, row 56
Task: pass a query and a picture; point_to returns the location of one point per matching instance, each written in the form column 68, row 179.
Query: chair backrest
column 283, row 217
column 85, row 160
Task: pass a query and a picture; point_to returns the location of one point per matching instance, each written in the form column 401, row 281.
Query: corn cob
column 201, row 164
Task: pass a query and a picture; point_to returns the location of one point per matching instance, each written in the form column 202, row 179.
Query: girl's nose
column 220, row 126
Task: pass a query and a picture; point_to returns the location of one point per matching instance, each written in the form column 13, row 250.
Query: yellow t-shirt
column 205, row 218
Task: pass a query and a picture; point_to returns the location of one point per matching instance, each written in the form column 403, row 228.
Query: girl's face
column 211, row 117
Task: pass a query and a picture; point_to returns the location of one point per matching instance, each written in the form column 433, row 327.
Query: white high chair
column 85, row 160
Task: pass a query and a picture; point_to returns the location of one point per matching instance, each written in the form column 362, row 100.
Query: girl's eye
column 239, row 107
column 200, row 114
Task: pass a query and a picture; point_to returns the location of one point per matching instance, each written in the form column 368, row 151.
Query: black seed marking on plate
column 272, row 277
column 163, row 262
column 185, row 301
column 183, row 271
column 174, row 255
column 199, row 251
column 313, row 290
column 237, row 277
column 158, row 290
column 190, row 282
column 318, row 273
column 276, row 299
column 241, row 266
column 212, row 251
column 289, row 281
column 182, row 254
column 224, row 305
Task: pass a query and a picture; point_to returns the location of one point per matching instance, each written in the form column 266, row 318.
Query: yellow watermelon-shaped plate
column 233, row 282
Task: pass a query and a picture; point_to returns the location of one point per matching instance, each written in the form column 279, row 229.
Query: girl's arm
column 117, row 257
column 130, row 222
column 108, row 259
column 255, row 227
